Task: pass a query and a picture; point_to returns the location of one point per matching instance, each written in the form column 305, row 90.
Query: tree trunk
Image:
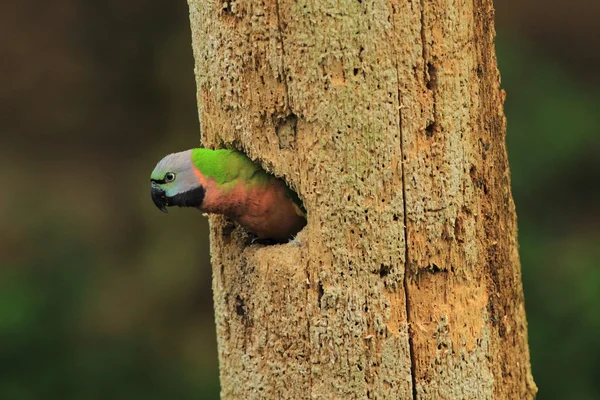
column 386, row 117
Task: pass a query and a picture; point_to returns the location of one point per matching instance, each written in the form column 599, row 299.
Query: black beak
column 159, row 197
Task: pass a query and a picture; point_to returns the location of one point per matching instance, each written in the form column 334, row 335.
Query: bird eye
column 169, row 177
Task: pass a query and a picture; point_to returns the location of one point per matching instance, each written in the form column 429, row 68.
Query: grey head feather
column 181, row 165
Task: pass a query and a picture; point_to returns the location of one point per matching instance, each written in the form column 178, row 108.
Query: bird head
column 174, row 182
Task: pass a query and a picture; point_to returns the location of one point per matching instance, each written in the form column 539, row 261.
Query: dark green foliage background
column 102, row 296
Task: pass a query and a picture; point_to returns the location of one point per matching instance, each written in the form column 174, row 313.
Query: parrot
column 228, row 182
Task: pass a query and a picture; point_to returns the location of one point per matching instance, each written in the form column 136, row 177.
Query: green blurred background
column 102, row 296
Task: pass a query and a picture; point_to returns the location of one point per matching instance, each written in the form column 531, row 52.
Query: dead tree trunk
column 386, row 117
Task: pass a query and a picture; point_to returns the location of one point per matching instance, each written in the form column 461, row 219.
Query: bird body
column 227, row 182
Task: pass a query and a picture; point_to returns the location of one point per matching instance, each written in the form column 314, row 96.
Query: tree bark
column 386, row 117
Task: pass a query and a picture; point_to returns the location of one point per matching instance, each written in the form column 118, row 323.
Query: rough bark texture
column 386, row 117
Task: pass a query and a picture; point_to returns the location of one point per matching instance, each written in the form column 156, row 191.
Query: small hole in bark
column 384, row 270
column 227, row 7
column 356, row 71
column 320, row 294
column 239, row 306
column 228, row 228
column 395, row 217
column 286, row 129
column 432, row 129
column 431, row 76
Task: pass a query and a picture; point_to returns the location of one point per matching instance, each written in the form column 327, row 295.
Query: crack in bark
column 283, row 74
column 405, row 220
column 423, row 41
column 288, row 107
